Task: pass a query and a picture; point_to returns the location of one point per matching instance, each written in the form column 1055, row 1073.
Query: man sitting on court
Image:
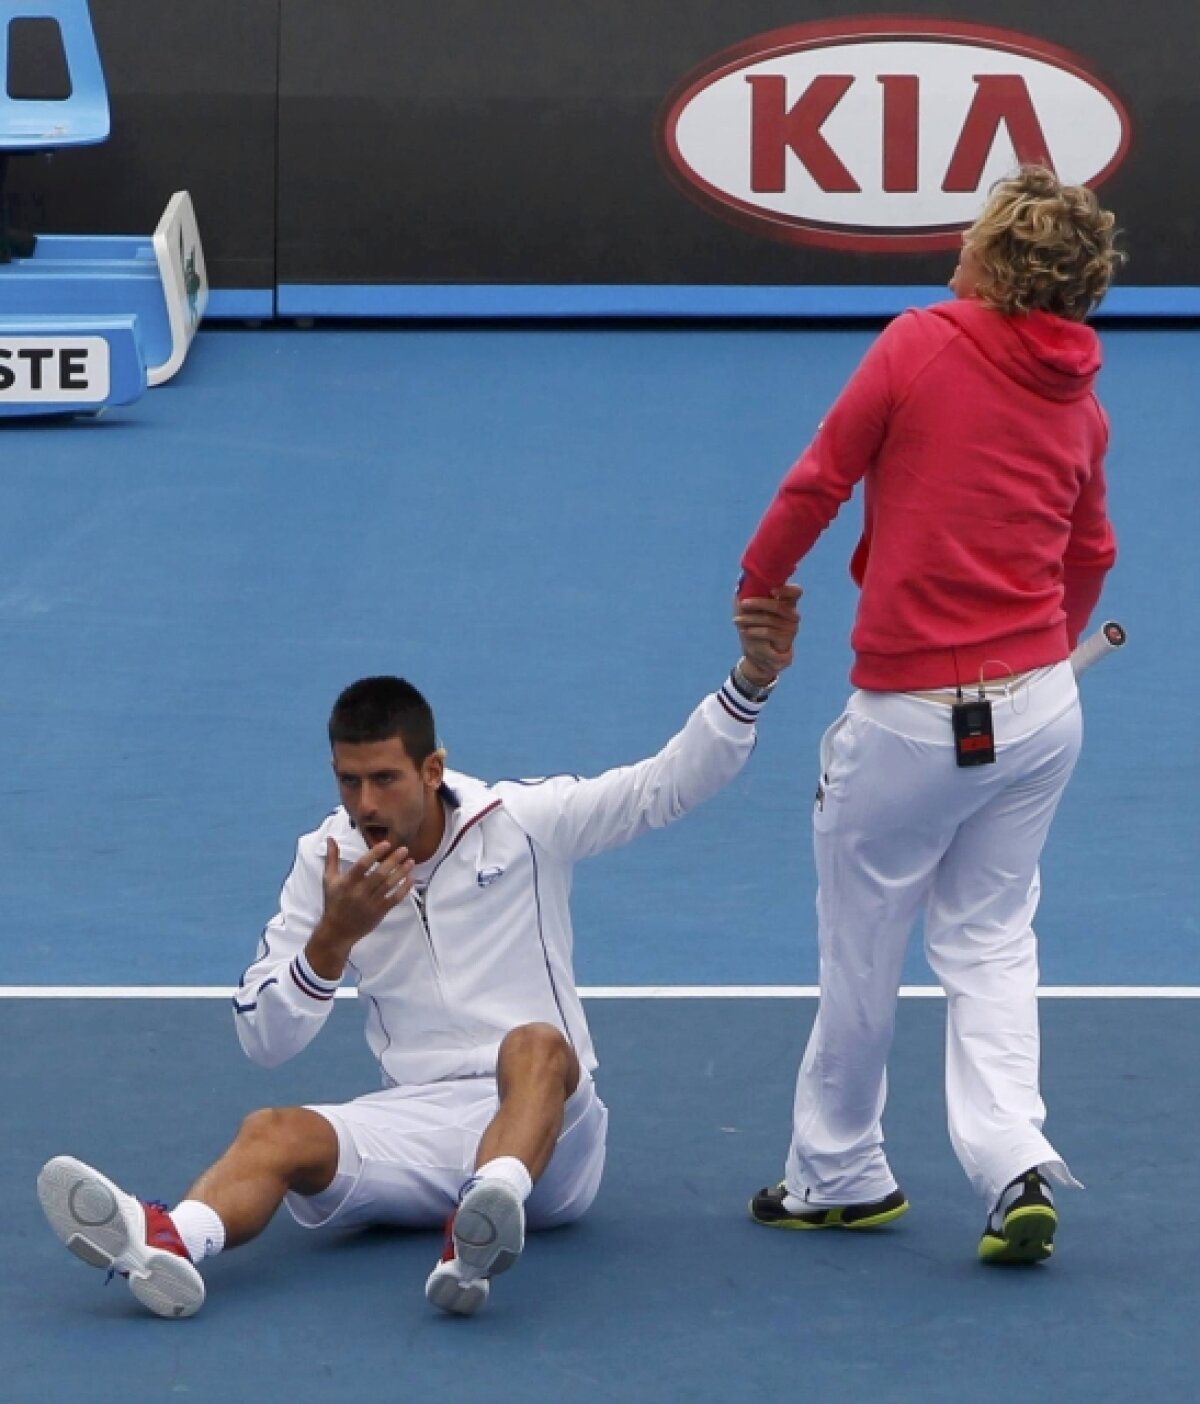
column 445, row 900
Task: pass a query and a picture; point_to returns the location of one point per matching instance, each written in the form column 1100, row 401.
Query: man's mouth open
column 374, row 834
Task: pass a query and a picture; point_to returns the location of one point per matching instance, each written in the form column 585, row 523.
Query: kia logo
column 883, row 134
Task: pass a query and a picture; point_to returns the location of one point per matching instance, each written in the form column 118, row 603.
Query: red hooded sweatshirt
column 985, row 536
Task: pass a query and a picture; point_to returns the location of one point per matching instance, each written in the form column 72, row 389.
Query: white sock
column 509, row 1169
column 200, row 1227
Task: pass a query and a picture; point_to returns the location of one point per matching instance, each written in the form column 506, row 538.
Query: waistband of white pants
column 1020, row 705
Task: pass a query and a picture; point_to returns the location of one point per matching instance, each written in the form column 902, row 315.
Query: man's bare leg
column 536, row 1072
column 230, row 1203
column 275, row 1151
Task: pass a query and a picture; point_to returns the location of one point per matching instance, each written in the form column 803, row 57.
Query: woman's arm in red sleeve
column 1092, row 547
column 814, row 489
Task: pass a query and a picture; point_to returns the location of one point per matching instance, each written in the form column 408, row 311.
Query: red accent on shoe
column 162, row 1233
column 448, row 1253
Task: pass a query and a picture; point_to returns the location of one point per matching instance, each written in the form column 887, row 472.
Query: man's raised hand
column 356, row 901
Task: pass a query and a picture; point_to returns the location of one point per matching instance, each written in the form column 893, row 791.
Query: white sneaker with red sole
column 110, row 1229
column 484, row 1237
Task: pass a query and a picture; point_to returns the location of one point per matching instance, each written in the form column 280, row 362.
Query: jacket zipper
column 419, row 900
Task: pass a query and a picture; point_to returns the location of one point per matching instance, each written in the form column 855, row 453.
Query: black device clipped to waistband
column 974, row 738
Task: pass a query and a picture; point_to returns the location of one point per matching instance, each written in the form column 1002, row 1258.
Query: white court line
column 604, row 992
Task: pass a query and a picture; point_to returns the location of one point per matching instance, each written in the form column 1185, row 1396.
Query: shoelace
column 149, row 1204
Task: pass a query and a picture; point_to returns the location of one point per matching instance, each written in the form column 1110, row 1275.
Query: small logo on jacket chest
column 486, row 876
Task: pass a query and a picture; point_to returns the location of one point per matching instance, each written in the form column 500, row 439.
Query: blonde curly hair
column 1042, row 245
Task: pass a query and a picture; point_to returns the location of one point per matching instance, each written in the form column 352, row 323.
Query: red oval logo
column 883, row 135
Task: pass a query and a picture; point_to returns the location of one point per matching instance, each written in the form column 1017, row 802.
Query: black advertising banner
column 681, row 142
column 439, row 144
column 880, row 135
column 192, row 93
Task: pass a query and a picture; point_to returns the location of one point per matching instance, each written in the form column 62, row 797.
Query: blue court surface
column 541, row 529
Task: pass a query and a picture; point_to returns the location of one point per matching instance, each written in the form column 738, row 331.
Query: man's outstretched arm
column 574, row 818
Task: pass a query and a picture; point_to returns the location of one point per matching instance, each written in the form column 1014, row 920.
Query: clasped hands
column 767, row 628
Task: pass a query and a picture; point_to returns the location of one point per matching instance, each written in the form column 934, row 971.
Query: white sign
column 36, row 370
column 884, row 134
column 180, row 259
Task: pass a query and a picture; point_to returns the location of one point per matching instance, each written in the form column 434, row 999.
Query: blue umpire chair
column 86, row 321
column 70, row 106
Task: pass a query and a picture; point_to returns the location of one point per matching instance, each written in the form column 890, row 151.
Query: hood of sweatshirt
column 1055, row 357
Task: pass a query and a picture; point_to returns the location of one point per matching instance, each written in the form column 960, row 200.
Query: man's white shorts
column 405, row 1152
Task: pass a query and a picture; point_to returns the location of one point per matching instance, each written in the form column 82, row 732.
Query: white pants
column 404, row 1153
column 900, row 829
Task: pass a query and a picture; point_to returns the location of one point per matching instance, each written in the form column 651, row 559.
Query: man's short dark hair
column 376, row 709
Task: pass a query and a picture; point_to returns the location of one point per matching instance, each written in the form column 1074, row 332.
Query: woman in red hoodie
column 985, row 542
